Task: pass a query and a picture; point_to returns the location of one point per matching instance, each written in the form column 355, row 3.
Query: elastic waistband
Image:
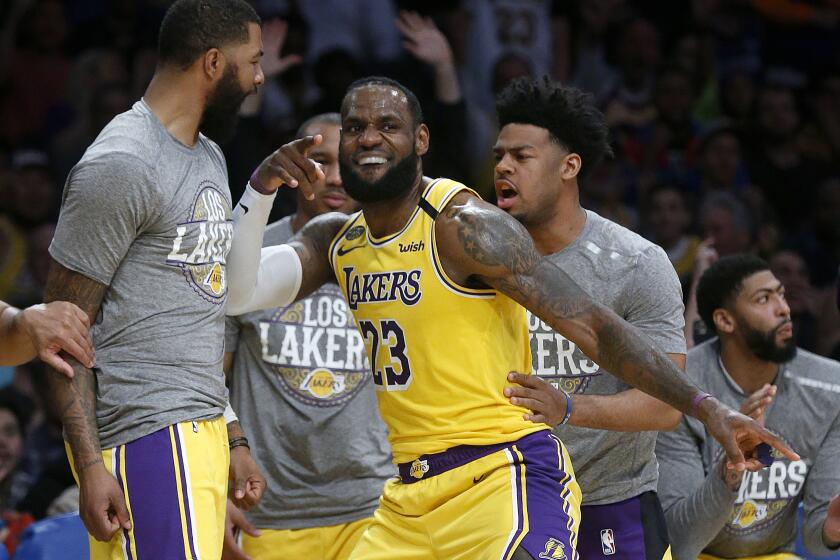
column 427, row 466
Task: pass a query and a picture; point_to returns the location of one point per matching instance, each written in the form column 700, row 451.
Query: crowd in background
column 725, row 118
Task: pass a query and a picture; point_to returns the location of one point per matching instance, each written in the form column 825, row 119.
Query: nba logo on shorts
column 608, row 542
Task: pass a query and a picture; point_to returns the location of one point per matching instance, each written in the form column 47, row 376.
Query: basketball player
column 610, row 437
column 42, row 331
column 754, row 363
column 434, row 276
column 302, row 388
column 140, row 246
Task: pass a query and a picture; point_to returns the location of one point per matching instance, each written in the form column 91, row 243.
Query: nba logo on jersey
column 554, row 550
column 419, row 468
column 608, row 542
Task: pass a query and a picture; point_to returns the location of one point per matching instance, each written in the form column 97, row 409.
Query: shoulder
column 131, row 138
column 323, row 229
column 824, row 372
column 278, row 232
column 620, row 241
column 214, row 151
column 700, row 362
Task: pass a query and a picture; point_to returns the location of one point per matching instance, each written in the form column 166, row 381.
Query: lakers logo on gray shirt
column 203, row 242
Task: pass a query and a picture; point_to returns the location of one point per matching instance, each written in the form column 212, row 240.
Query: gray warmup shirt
column 303, row 392
column 151, row 218
column 634, row 278
column 704, row 515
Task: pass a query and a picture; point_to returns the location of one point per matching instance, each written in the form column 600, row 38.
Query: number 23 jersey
column 439, row 352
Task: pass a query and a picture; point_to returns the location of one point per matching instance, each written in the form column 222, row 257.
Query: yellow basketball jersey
column 440, row 352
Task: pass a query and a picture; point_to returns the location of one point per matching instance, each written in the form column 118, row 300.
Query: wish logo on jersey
column 380, row 287
column 558, row 360
column 316, row 349
column 202, row 243
column 765, row 494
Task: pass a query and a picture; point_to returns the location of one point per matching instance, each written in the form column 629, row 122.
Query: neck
column 173, row 98
column 564, row 224
column 390, row 216
column 748, row 371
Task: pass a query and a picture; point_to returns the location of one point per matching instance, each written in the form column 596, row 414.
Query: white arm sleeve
column 258, row 278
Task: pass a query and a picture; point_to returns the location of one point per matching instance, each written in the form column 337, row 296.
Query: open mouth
column 371, row 161
column 786, row 330
column 506, row 194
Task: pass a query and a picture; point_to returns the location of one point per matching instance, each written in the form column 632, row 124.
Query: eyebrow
column 776, row 288
column 514, row 148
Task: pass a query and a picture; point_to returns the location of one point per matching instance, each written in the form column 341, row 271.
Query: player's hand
column 739, row 435
column 755, row 405
column 57, row 326
column 547, row 403
column 273, row 36
column 248, row 482
column 831, row 525
column 424, row 40
column 102, row 503
column 236, row 521
column 290, row 165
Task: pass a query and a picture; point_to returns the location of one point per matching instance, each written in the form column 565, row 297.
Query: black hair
column 413, row 103
column 18, row 404
column 191, row 27
column 720, row 284
column 323, row 118
column 568, row 114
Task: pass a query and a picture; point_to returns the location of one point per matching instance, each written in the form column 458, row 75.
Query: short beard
column 221, row 113
column 763, row 345
column 396, row 182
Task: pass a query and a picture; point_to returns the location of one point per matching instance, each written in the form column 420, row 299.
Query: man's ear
column 421, row 140
column 724, row 321
column 570, row 166
column 214, row 64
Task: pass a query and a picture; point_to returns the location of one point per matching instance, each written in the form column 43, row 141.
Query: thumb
column 121, row 512
column 239, row 485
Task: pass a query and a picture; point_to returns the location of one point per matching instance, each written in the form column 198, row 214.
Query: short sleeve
column 107, row 203
column 655, row 303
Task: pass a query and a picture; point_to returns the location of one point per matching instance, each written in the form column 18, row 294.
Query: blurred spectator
column 591, row 71
column 637, row 54
column 737, row 96
column 785, row 175
column 68, row 147
column 33, row 75
column 822, row 133
column 12, row 262
column 493, row 28
column 667, row 222
column 721, row 162
column 13, row 423
column 34, row 193
column 727, row 223
column 803, row 300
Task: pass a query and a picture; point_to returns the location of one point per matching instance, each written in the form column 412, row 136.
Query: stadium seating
column 62, row 537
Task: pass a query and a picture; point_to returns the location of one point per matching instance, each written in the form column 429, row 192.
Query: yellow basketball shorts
column 175, row 486
column 334, row 542
column 479, row 503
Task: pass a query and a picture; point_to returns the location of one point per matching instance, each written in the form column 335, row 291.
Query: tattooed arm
column 480, row 244
column 312, row 244
column 101, row 503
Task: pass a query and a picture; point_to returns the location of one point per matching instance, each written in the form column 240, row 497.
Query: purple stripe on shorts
column 550, row 532
column 185, row 492
column 153, row 493
column 520, row 511
column 118, row 474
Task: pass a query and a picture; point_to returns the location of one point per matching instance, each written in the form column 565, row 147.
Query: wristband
column 695, row 402
column 239, row 442
column 568, row 414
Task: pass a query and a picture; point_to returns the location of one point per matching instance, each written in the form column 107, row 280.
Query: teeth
column 372, row 160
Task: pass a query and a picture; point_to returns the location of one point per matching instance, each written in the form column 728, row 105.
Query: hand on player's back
column 290, row 165
column 547, row 403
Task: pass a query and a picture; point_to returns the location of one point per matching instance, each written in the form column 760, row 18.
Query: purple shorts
column 630, row 530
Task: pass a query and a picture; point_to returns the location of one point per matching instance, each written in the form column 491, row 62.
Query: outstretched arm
column 101, row 503
column 479, row 242
column 276, row 276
